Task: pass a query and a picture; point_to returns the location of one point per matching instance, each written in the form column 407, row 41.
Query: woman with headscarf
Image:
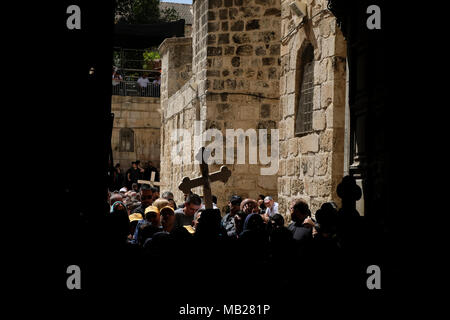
column 118, row 222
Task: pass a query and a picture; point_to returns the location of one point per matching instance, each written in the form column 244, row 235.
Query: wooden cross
column 205, row 180
column 152, row 181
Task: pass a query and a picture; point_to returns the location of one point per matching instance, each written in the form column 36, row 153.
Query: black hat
column 235, row 200
column 349, row 189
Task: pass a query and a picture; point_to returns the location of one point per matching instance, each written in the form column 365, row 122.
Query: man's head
column 135, row 187
column 277, row 221
column 192, row 204
column 167, row 218
column 167, row 195
column 152, row 215
column 134, row 165
column 173, row 204
column 146, row 195
column 234, row 204
column 299, row 211
column 268, row 202
column 161, row 203
column 155, row 192
column 115, row 197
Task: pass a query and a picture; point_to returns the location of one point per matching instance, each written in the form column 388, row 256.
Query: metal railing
column 132, row 88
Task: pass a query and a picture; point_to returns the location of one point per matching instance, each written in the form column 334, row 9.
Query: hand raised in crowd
column 308, row 222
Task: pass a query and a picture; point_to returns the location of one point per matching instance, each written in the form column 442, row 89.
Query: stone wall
column 312, row 165
column 143, row 116
column 242, row 71
column 234, row 85
column 179, row 106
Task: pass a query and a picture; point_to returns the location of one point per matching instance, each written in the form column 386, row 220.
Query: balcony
column 131, row 88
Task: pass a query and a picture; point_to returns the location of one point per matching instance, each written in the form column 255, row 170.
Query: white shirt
column 143, row 82
column 272, row 211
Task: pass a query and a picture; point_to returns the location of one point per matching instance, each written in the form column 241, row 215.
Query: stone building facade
column 312, row 158
column 234, row 84
column 136, row 130
column 245, row 68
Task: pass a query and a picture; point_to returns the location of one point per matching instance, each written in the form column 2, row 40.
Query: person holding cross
column 185, row 216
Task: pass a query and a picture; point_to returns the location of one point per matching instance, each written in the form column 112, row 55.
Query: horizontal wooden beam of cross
column 152, row 181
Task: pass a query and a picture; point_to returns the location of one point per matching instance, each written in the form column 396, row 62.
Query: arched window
column 303, row 121
column 126, row 140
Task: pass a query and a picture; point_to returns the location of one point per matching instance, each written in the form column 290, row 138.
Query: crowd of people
column 129, row 179
column 251, row 236
column 145, row 86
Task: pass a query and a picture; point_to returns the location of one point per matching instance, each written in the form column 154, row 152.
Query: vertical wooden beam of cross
column 152, row 181
column 205, row 180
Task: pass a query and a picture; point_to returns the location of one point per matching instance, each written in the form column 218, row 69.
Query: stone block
column 237, row 26
column 297, row 186
column 319, row 120
column 293, row 147
column 290, row 167
column 326, row 140
column 290, row 127
column 321, row 164
column 245, row 50
column 326, row 94
column 309, row 143
column 252, row 25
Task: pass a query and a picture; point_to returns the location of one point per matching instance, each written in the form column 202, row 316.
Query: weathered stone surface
column 214, row 4
column 265, row 111
column 213, row 26
column 272, row 12
column 260, row 50
column 224, row 38
column 252, row 25
column 268, row 61
column 321, row 164
column 229, row 51
column 143, row 116
column 241, row 38
column 214, row 51
column 236, row 61
column 237, row 26
column 309, row 143
column 319, row 120
column 245, row 50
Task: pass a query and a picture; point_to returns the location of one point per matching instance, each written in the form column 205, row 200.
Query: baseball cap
column 166, row 208
column 151, row 209
column 267, row 199
column 135, row 216
column 123, row 189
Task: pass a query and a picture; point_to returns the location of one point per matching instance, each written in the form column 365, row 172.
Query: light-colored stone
column 309, row 143
column 319, row 120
